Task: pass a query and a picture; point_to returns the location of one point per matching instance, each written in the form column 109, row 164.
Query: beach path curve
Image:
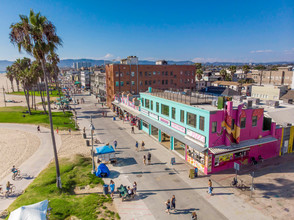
column 33, row 165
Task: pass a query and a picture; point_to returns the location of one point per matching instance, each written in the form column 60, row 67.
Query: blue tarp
column 104, row 149
column 102, row 170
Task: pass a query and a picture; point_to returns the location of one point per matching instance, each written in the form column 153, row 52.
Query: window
column 133, row 83
column 243, row 122
column 191, row 119
column 233, row 124
column 117, row 83
column 128, row 82
column 173, row 113
column 146, row 103
column 146, row 73
column 122, row 83
column 154, row 73
column 141, row 83
column 254, row 120
column 162, row 72
column 171, row 73
column 133, row 74
column 162, row 82
column 128, row 73
column 182, row 118
column 154, row 81
column 150, row 82
column 149, row 73
column 151, row 105
column 145, row 124
column 201, row 123
column 146, row 82
column 141, row 74
column 121, row 74
column 116, row 74
column 165, row 109
column 143, row 103
column 213, row 127
column 166, row 73
column 240, row 154
column 166, row 82
column 157, row 107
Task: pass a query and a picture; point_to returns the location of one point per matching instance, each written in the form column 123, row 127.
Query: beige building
column 282, row 76
column 245, row 88
column 268, row 92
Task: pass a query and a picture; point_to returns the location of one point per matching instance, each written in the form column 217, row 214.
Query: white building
column 78, row 65
column 85, row 79
column 130, row 60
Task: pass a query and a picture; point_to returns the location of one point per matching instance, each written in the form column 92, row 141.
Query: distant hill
column 69, row 62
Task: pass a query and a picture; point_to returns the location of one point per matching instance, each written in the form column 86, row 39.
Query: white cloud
column 261, row 51
column 108, row 56
column 290, row 51
column 150, row 58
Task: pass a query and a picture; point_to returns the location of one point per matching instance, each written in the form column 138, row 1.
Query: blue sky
column 201, row 31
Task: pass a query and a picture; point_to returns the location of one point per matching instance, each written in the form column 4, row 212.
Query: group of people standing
column 171, row 204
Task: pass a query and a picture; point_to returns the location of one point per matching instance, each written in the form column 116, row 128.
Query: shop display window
column 240, row 154
column 196, row 155
column 145, row 124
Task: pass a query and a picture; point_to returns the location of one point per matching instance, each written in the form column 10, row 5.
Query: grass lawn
column 54, row 93
column 15, row 115
column 65, row 203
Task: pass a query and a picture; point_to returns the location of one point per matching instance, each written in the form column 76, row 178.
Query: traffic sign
column 236, row 166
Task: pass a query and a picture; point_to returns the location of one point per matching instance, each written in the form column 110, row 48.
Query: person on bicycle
column 14, row 170
column 8, row 186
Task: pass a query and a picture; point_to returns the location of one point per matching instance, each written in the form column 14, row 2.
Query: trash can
column 105, row 189
column 114, row 118
column 87, row 142
column 192, row 173
column 84, row 135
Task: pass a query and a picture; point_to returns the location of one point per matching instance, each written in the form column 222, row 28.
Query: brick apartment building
column 136, row 78
column 282, row 76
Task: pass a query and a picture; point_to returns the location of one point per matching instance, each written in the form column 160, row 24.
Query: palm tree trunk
column 27, row 99
column 58, row 179
column 17, row 85
column 12, row 85
column 42, row 99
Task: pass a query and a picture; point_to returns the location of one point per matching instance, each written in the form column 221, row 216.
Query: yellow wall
column 290, row 147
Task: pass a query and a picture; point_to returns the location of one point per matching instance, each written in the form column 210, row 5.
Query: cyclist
column 8, row 186
column 14, row 171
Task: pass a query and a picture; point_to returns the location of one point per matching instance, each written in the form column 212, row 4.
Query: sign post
column 237, row 168
column 252, row 186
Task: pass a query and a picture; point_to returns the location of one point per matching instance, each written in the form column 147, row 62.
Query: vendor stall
column 105, row 154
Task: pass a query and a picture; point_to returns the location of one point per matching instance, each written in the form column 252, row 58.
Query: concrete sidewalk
column 159, row 181
column 33, row 165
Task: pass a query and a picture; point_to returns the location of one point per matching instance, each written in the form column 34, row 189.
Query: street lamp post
column 92, row 132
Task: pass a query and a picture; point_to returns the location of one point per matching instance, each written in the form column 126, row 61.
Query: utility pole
column 252, row 186
column 92, row 132
column 4, row 96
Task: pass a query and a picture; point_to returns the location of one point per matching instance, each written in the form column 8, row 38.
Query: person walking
column 143, row 146
column 196, row 172
column 38, row 129
column 149, row 158
column 173, row 203
column 112, row 187
column 69, row 131
column 137, row 145
column 133, row 130
column 144, row 159
column 84, row 130
column 167, row 203
column 210, row 187
column 194, row 216
column 134, row 187
column 57, row 130
column 115, row 144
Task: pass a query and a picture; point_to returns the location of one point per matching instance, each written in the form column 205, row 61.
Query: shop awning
column 172, row 133
column 243, row 145
column 128, row 109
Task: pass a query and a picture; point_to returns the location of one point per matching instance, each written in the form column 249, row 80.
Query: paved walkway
column 159, row 181
column 32, row 166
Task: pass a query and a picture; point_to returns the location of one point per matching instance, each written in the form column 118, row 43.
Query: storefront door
column 179, row 147
column 165, row 140
column 154, row 132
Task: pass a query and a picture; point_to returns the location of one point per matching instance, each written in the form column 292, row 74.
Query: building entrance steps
column 157, row 182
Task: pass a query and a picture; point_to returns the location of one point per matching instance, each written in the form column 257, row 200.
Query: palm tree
column 22, row 68
column 233, row 70
column 37, row 36
column 223, row 73
column 10, row 75
column 245, row 69
column 199, row 74
column 261, row 68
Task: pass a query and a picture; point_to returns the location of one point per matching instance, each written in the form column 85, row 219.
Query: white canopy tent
column 35, row 211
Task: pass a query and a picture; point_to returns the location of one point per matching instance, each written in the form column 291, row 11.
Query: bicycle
column 237, row 185
column 10, row 191
column 16, row 175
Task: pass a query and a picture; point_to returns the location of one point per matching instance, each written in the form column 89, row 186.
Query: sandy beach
column 15, row 148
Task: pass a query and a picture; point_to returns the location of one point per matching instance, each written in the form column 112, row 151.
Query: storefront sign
column 153, row 115
column 144, row 111
column 178, row 127
column 226, row 157
column 196, row 136
column 195, row 163
column 165, row 121
column 209, row 163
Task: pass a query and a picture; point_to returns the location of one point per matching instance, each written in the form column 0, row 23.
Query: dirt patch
column 82, row 190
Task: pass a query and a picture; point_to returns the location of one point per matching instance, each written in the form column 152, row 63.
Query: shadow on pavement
column 183, row 211
column 113, row 174
column 125, row 162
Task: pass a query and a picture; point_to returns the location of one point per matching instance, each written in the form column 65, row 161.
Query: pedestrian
column 143, row 146
column 38, row 129
column 133, row 130
column 57, row 130
column 173, row 203
column 111, row 186
column 210, row 187
column 167, row 203
column 196, row 172
column 102, row 104
column 84, row 130
column 115, row 144
column 69, row 131
column 144, row 159
column 149, row 158
column 194, row 216
column 137, row 145
column 134, row 187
